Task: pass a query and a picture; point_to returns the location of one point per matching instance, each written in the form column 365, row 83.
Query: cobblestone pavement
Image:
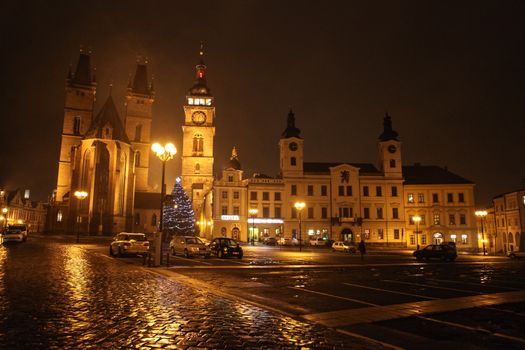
column 56, row 295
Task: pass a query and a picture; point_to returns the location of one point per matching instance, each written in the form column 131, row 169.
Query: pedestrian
column 362, row 249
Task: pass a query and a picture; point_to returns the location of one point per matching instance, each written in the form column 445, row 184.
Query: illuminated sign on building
column 230, row 217
column 265, row 221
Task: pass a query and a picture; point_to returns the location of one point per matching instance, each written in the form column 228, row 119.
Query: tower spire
column 200, row 86
column 388, row 132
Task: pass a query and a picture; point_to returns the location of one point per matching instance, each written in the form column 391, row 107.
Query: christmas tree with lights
column 178, row 212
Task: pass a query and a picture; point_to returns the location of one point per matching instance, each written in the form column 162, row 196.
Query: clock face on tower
column 392, row 149
column 292, row 146
column 198, row 117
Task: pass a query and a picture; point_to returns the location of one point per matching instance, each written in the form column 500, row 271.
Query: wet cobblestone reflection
column 59, row 296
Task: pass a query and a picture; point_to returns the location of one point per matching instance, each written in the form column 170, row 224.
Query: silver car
column 129, row 243
column 15, row 233
column 189, row 246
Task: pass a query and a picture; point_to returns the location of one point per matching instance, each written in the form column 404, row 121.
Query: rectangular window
column 266, row 196
column 394, row 191
column 423, row 218
column 462, row 219
column 395, row 213
column 235, row 194
column 293, row 161
column 294, row 190
column 450, row 197
column 294, row 213
column 266, row 212
column 310, row 190
column 365, row 191
column 277, row 212
column 224, row 195
column 396, row 233
column 379, row 212
column 236, row 210
column 341, row 191
column 435, row 198
column 421, row 198
column 412, row 240
column 324, row 212
column 437, row 219
column 230, row 178
column 346, row 212
column 464, row 239
column 380, row 233
column 379, row 191
column 253, row 196
column 461, row 197
column 366, row 213
column 451, row 219
column 410, row 197
column 277, row 196
column 349, row 191
column 323, row 190
column 76, row 125
column 224, row 210
column 310, row 213
column 423, row 239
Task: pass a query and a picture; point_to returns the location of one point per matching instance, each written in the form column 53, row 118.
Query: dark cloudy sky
column 451, row 74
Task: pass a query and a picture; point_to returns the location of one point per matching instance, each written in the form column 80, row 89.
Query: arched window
column 511, row 238
column 198, row 143
column 293, row 161
column 137, row 159
column 138, row 132
column 154, row 220
column 197, row 168
column 76, row 125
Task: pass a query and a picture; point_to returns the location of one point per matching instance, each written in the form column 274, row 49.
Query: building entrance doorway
column 347, row 235
column 438, row 238
column 236, row 233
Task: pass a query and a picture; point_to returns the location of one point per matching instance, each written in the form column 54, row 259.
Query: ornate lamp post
column 300, row 206
column 417, row 219
column 482, row 214
column 253, row 213
column 164, row 153
column 80, row 195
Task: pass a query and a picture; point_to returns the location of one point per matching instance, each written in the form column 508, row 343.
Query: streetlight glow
column 417, row 219
column 80, row 195
column 482, row 214
column 253, row 213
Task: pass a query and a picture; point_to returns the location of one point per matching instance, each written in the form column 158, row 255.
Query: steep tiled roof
column 364, row 168
column 107, row 117
column 147, row 200
column 140, row 80
column 431, row 174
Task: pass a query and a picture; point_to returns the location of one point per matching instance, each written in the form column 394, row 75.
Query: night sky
column 451, row 74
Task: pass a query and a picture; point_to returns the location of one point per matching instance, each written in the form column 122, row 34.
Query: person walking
column 362, row 249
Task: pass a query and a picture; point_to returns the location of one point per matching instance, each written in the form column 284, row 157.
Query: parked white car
column 343, row 247
column 129, row 243
column 318, row 242
column 15, row 233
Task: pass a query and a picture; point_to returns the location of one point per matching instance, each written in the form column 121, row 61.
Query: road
column 272, row 298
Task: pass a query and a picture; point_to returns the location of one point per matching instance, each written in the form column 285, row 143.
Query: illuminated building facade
column 505, row 223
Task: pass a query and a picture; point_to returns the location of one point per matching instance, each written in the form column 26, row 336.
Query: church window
column 154, row 220
column 137, row 159
column 197, row 143
column 293, row 161
column 197, row 168
column 138, row 132
column 392, row 163
column 76, row 125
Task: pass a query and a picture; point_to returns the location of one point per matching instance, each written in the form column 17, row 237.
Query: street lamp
column 4, row 213
column 253, row 213
column 300, row 206
column 164, row 153
column 417, row 219
column 80, row 195
column 482, row 214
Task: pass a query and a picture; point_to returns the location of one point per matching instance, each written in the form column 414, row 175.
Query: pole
column 300, row 234
column 253, row 230
column 162, row 195
column 417, row 232
column 483, row 237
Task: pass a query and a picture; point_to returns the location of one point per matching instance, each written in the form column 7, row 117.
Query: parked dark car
column 437, row 251
column 270, row 241
column 223, row 247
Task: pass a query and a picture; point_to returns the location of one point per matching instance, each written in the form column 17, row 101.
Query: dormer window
column 230, row 178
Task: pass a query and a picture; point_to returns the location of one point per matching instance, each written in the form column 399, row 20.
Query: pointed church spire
column 291, row 130
column 234, row 163
column 140, row 83
column 234, row 153
column 388, row 132
column 82, row 74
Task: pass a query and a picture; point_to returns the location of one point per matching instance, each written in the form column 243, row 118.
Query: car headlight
column 225, row 249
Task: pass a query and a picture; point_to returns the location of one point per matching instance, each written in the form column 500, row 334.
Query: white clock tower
column 197, row 147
